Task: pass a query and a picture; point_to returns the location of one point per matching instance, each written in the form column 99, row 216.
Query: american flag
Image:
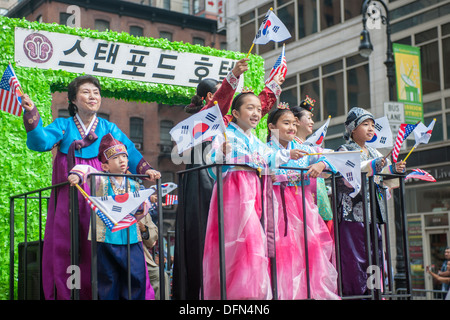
column 404, row 131
column 420, row 174
column 279, row 66
column 10, row 92
column 171, row 199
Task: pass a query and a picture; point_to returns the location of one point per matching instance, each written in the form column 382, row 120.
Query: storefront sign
column 409, row 81
column 57, row 51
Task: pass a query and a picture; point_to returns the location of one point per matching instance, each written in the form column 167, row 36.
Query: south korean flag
column 348, row 164
column 197, row 128
column 383, row 134
column 119, row 206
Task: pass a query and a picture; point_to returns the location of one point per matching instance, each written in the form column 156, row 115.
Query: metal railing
column 384, row 292
column 368, row 185
column 74, row 236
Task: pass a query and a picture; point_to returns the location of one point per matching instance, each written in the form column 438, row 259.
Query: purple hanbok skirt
column 56, row 275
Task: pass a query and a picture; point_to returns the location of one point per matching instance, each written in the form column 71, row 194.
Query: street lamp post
column 365, row 49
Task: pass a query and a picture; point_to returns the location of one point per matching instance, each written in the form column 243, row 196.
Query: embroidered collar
column 81, row 127
column 118, row 188
column 239, row 129
column 297, row 139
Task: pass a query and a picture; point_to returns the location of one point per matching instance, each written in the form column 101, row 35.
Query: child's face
column 285, row 128
column 305, row 124
column 116, row 164
column 249, row 113
column 364, row 132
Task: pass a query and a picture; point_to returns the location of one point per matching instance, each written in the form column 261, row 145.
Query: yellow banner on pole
column 409, row 81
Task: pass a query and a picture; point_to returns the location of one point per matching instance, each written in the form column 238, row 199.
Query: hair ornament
column 308, row 104
column 310, row 101
column 283, row 105
column 247, row 90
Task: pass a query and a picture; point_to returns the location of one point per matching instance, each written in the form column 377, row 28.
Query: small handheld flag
column 420, row 174
column 383, row 134
column 166, row 188
column 171, row 199
column 403, row 132
column 348, row 163
column 117, row 212
column 10, row 92
column 197, row 128
column 280, row 66
column 271, row 29
column 422, row 134
column 317, row 138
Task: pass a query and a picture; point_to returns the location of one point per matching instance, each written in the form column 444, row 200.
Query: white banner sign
column 394, row 111
column 57, row 51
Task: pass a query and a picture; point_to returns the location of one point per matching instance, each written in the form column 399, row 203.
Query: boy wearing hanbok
column 112, row 245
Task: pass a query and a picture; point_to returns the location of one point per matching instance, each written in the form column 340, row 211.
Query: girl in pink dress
column 247, row 221
column 292, row 277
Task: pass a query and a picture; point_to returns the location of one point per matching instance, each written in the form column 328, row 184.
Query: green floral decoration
column 27, row 170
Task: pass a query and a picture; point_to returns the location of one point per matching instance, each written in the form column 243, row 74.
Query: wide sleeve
column 269, row 96
column 224, row 95
column 40, row 138
column 82, row 171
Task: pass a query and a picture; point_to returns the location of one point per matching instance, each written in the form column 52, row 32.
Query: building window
column 164, row 136
column 166, row 35
column 63, row 113
column 301, row 17
column 101, row 25
column 137, row 132
column 63, row 16
column 186, row 7
column 307, row 18
column 166, row 4
column 103, row 115
column 330, row 13
column 198, row 40
column 136, row 31
column 199, row 6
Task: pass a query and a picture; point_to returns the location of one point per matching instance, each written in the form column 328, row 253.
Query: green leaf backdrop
column 25, row 170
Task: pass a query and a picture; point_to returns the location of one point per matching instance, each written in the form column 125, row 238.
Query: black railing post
column 404, row 222
column 374, row 248
column 305, row 237
column 94, row 261
column 223, row 283
column 74, row 236
column 336, row 233
column 162, row 271
column 366, row 222
column 11, row 248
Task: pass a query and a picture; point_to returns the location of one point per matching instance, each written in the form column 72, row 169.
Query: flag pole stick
column 340, row 152
column 409, row 154
column 253, row 44
column 388, row 154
